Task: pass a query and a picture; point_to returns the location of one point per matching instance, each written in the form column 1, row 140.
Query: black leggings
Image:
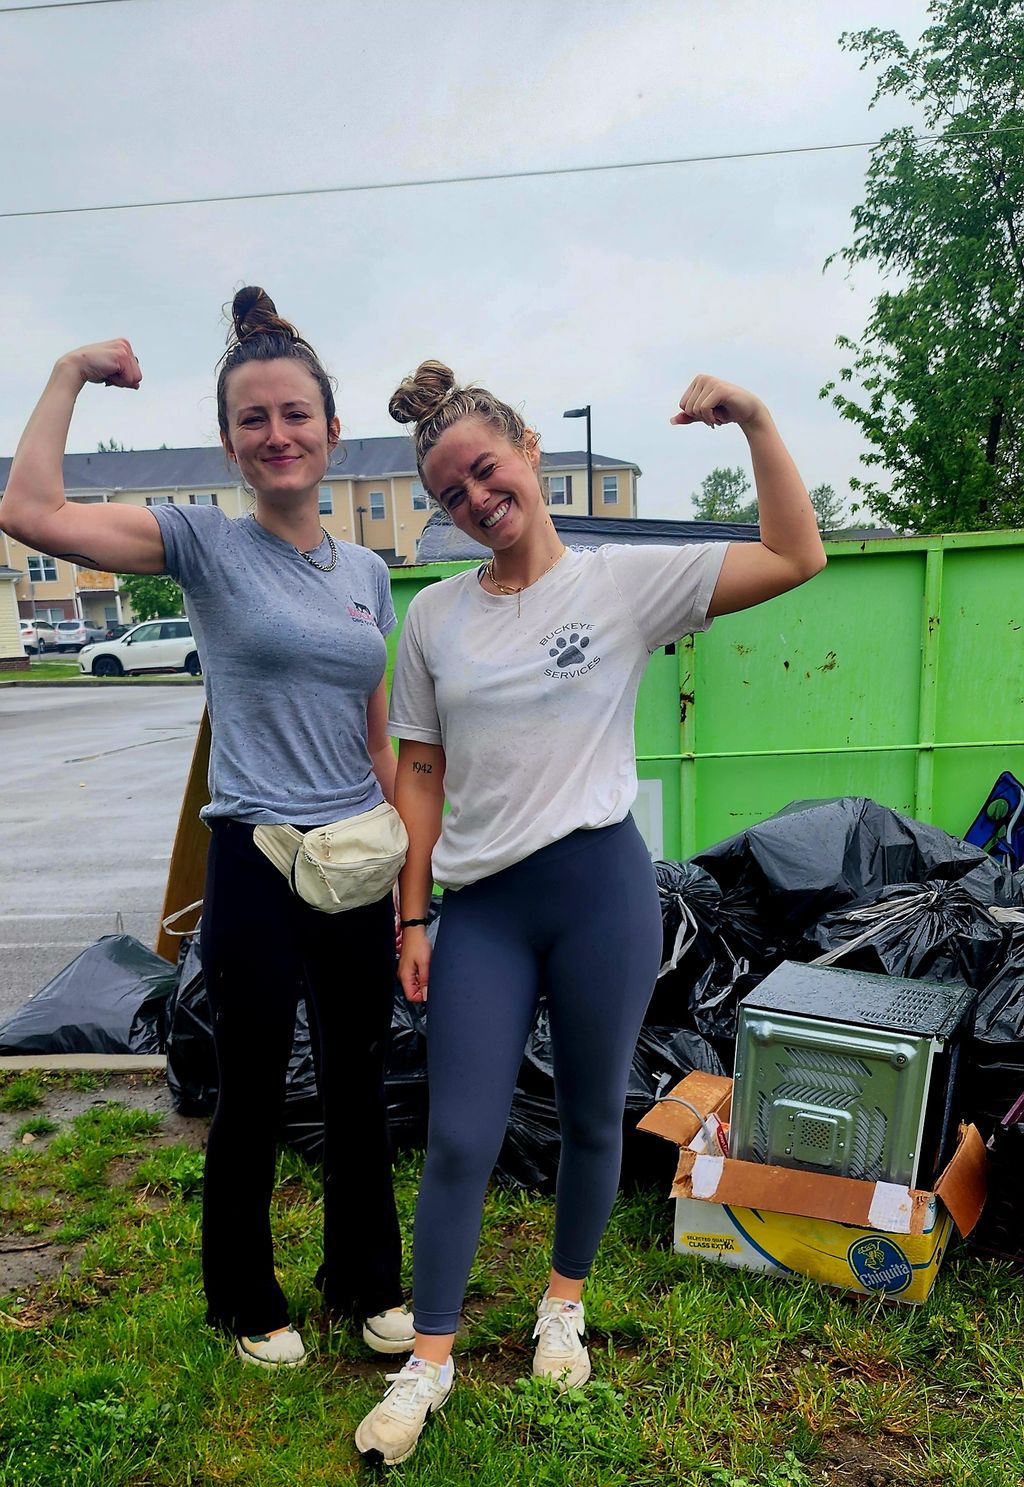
column 580, row 921
column 262, row 950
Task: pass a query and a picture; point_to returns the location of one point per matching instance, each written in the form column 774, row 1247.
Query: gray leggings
column 579, row 920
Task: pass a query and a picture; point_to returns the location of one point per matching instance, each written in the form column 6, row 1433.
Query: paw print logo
column 569, row 652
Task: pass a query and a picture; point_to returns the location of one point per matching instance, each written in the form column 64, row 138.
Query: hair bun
column 254, row 313
column 422, row 394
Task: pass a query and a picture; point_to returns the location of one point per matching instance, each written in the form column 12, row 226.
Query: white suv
column 37, row 636
column 72, row 635
column 155, row 645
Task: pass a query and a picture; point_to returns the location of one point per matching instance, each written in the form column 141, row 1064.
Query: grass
column 703, row 1377
column 40, row 671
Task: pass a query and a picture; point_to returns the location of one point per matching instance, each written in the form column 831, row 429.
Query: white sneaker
column 390, row 1331
column 561, row 1343
column 281, row 1349
column 388, row 1434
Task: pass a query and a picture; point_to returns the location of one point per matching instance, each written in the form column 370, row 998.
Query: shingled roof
column 193, row 469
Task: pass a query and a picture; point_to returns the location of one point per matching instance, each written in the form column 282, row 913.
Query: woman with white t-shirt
column 513, row 698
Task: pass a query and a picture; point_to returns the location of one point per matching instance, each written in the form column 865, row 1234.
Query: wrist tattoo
column 419, row 768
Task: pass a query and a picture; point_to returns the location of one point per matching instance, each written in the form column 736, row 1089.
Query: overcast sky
column 609, row 288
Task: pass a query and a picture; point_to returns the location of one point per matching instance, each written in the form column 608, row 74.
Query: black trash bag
column 936, row 930
column 191, row 1060
column 192, row 1064
column 664, row 1055
column 406, row 1077
column 111, row 999
column 715, row 1000
column 529, row 1153
column 302, row 1119
column 691, row 903
column 783, row 875
column 1000, row 1230
column 996, row 1063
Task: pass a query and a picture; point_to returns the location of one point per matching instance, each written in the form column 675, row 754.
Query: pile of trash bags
column 847, row 882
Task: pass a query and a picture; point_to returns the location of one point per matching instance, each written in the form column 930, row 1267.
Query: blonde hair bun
column 420, row 396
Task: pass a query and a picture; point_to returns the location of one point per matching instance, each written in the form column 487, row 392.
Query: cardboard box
column 877, row 1238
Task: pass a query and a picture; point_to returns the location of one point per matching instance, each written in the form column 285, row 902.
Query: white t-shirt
column 534, row 710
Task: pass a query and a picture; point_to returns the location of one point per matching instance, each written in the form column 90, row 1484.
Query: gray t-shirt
column 534, row 709
column 290, row 659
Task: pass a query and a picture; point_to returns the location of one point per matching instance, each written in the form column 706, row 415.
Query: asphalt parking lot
column 92, row 785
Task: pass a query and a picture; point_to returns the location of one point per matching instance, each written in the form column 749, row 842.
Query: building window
column 159, row 500
column 203, row 500
column 420, row 499
column 559, row 490
column 376, row 505
column 42, row 570
column 326, row 501
column 610, row 490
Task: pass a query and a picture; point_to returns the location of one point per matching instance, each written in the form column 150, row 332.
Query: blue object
column 999, row 826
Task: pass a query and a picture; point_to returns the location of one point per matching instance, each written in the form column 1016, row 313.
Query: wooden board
column 186, row 876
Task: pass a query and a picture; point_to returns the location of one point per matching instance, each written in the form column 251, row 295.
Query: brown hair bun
column 254, row 313
column 420, row 396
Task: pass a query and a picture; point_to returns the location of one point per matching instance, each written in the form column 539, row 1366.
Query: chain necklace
column 504, row 589
column 322, row 567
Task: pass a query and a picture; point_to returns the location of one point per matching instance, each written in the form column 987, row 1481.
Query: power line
column 499, row 175
column 57, row 5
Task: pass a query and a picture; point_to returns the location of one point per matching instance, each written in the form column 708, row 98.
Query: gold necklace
column 504, row 589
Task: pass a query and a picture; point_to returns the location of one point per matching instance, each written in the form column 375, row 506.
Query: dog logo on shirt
column 568, row 650
column 360, row 612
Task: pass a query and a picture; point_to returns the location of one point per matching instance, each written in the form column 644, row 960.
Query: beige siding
column 10, row 633
column 578, row 505
column 59, row 592
column 339, row 523
column 376, row 534
column 623, row 505
column 409, row 523
column 232, row 499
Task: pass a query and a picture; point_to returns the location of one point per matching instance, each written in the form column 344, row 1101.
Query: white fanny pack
column 341, row 866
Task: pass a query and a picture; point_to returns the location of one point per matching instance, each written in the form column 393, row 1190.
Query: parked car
column 155, row 645
column 37, row 636
column 73, row 634
column 114, row 632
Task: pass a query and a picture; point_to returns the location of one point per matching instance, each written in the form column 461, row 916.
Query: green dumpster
column 897, row 673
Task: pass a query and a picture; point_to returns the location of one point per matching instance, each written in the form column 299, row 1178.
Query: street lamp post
column 361, row 512
column 585, row 413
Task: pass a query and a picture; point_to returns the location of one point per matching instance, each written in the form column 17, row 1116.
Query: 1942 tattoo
column 419, row 768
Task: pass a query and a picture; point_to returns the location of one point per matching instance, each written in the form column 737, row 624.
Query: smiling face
column 277, row 427
column 487, row 485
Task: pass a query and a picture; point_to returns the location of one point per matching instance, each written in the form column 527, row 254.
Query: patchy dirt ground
column 25, row 1262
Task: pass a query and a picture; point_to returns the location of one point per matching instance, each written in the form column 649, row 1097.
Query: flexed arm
column 124, row 539
column 790, row 550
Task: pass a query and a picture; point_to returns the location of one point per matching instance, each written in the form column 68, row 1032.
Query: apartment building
column 371, row 495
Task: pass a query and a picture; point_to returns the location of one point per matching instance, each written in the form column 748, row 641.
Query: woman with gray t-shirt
column 513, row 698
column 290, row 628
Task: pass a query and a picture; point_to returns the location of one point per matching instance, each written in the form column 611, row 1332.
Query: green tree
column 721, row 494
column 109, row 446
column 941, row 361
column 828, row 509
column 151, row 594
